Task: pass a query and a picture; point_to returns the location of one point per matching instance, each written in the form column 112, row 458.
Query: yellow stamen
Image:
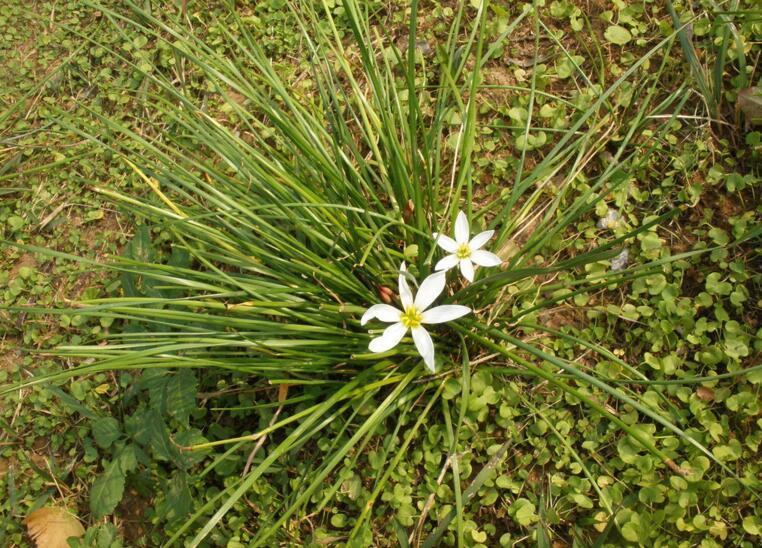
column 411, row 318
column 463, row 252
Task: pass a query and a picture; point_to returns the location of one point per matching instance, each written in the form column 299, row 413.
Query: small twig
column 430, row 501
column 282, row 395
column 52, row 215
column 469, row 493
column 53, row 476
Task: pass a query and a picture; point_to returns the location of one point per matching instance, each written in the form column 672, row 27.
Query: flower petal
column 480, row 239
column 445, row 313
column 467, row 269
column 485, row 258
column 383, row 312
column 429, row 290
column 406, row 296
column 388, row 339
column 447, row 263
column 461, row 228
column 425, row 346
column 445, row 242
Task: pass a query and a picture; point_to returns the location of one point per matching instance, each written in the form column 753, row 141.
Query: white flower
column 611, row 220
column 413, row 317
column 620, row 261
column 464, row 252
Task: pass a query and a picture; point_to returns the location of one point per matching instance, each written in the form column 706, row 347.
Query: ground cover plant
column 602, row 389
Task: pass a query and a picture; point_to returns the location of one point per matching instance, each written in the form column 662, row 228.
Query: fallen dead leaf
column 705, row 393
column 51, row 527
column 750, row 103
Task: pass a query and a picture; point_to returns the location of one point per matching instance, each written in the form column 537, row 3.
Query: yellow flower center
column 463, row 252
column 411, row 318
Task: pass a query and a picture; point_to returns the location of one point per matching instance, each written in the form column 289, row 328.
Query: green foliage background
column 493, row 450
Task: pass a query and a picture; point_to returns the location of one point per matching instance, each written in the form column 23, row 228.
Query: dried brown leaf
column 705, row 393
column 51, row 527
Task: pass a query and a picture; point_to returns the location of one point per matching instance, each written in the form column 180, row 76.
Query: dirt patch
column 26, row 260
column 498, row 75
column 131, row 510
column 556, row 318
column 93, row 231
column 7, row 464
column 9, row 353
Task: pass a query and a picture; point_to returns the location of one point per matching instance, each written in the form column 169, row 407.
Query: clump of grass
column 283, row 229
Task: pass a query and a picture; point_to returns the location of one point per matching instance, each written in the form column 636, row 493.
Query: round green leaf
column 617, row 34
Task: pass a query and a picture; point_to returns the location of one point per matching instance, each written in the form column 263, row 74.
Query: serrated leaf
column 51, row 527
column 106, row 431
column 156, row 380
column 177, row 504
column 160, row 442
column 106, row 537
column 190, row 437
column 127, row 459
column 136, row 426
column 181, row 395
column 179, row 258
column 139, row 247
column 107, row 490
column 72, row 403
